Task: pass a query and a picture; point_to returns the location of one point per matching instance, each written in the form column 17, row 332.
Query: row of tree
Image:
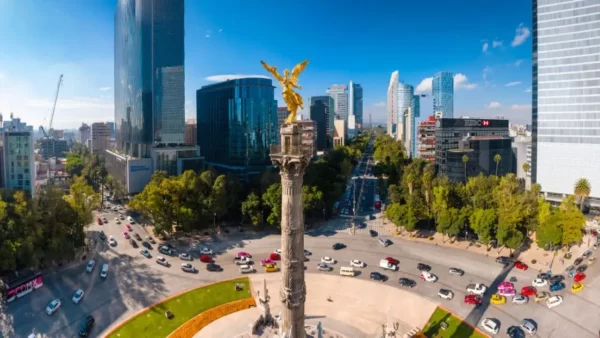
column 492, row 208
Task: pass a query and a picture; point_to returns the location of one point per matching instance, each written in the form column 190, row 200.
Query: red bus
column 377, row 202
column 22, row 285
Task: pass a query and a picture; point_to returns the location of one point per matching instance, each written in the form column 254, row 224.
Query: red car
column 392, row 260
column 520, row 265
column 99, row 221
column 528, row 291
column 579, row 277
column 128, row 227
column 205, row 259
column 472, row 300
column 275, row 256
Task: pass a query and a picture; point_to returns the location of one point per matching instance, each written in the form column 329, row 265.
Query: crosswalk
column 345, row 225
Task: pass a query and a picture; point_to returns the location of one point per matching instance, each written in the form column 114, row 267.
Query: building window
column 27, row 183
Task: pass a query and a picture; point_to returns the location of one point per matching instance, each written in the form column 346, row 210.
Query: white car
column 52, row 306
column 476, row 289
column 162, row 261
column 206, row 251
column 554, row 301
column 520, row 299
column 185, row 257
column 307, row 253
column 528, row 326
column 324, row 267
column 428, row 277
column 277, row 251
column 78, row 296
column 446, row 294
column 90, row 265
column 117, row 220
column 538, row 282
column 490, row 325
column 246, row 269
column 187, row 267
column 243, row 261
column 357, row 264
column 327, row 260
column 112, row 241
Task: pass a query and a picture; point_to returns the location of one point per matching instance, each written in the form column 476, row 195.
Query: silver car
column 520, row 299
column 528, row 326
column 456, row 272
column 324, row 267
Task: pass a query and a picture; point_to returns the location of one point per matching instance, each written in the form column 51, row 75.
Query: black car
column 515, row 332
column 213, row 267
column 544, row 276
column 102, row 235
column 338, row 246
column 423, row 267
column 578, row 261
column 133, row 243
column 409, row 283
column 373, row 233
column 147, row 245
column 86, row 326
column 378, row 276
column 581, row 269
column 503, row 260
column 556, row 279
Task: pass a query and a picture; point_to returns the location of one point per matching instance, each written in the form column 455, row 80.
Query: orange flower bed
column 192, row 326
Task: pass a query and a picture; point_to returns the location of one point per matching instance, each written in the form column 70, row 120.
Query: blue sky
column 487, row 42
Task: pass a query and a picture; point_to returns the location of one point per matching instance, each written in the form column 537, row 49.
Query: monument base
column 311, row 332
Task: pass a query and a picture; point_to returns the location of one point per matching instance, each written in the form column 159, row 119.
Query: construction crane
column 60, row 78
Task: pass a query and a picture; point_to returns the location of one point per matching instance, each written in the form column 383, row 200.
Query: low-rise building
column 100, row 138
column 18, row 160
column 340, row 133
column 190, row 133
column 481, row 152
column 426, row 139
column 309, row 135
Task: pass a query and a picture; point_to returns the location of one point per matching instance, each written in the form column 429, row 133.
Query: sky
column 486, row 43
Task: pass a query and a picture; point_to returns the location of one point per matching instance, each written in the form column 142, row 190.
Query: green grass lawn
column 456, row 327
column 184, row 307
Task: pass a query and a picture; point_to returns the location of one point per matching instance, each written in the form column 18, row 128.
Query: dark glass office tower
column 149, row 75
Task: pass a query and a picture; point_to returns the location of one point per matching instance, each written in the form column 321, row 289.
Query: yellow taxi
column 271, row 268
column 497, row 299
column 576, row 287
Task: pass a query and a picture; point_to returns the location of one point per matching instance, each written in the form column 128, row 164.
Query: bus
column 20, row 286
column 377, row 202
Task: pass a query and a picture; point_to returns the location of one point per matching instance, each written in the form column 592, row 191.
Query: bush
column 567, row 256
column 431, row 238
column 533, row 261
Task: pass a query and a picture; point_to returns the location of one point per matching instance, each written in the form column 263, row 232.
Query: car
column 378, row 276
column 515, row 332
column 423, row 267
column 544, row 276
column 242, row 254
column 147, row 245
column 554, row 301
column 328, row 260
column 117, row 220
column 581, row 268
column 271, row 268
column 338, row 246
column 520, row 299
column 126, row 235
column 557, row 287
column 392, row 261
column 476, row 289
column 528, row 291
column 274, row 256
column 357, row 264
column 133, row 243
column 122, row 217
column 241, row 261
column 324, row 267
column 146, row 253
column 591, row 260
column 373, row 233
column 187, row 267
column 78, row 296
column 528, row 326
column 213, row 267
column 104, row 220
column 456, row 272
column 541, row 296
column 446, row 294
column 112, row 241
column 267, row 261
column 406, row 282
column 472, row 300
column 578, row 261
column 86, row 326
column 538, row 283
column 278, row 251
column 579, row 277
column 130, row 220
column 99, row 221
column 246, row 269
column 556, row 279
column 166, row 249
column 428, row 277
column 497, row 299
column 90, row 265
column 521, row 266
column 150, row 239
column 162, row 261
column 128, row 226
column 490, row 325
column 503, row 260
column 185, row 257
column 586, row 253
column 136, row 236
column 506, row 285
column 577, row 287
column 307, row 253
column 206, row 251
column 104, row 271
column 570, row 270
column 53, row 306
column 102, row 235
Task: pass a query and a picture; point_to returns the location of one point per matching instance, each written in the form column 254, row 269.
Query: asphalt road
column 135, row 282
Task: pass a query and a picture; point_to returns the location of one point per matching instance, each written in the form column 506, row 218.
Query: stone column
column 292, row 158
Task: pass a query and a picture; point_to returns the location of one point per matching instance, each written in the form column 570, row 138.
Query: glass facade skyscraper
column 237, row 122
column 355, row 104
column 149, row 75
column 339, row 93
column 322, row 112
column 566, row 96
column 443, row 94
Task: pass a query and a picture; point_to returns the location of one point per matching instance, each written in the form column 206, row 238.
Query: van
column 104, row 271
column 384, row 241
column 347, row 271
column 387, row 265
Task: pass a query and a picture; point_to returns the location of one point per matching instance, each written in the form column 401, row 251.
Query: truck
column 387, row 265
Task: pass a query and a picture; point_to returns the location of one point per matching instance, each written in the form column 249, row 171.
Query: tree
column 465, row 160
column 549, row 234
column 440, row 201
column 395, row 193
column 427, row 184
column 483, row 222
column 497, row 159
column 74, row 165
column 450, row 222
column 252, row 209
column 526, row 167
column 572, row 221
column 83, row 199
column 410, row 181
column 312, row 199
column 272, row 199
column 346, row 168
column 582, row 191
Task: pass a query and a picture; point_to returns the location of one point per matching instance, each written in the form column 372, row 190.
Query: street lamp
column 215, row 220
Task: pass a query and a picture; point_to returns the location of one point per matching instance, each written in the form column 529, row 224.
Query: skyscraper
column 443, row 94
column 566, row 97
column 416, row 112
column 149, row 75
column 392, row 105
column 100, row 138
column 405, row 115
column 322, row 113
column 339, row 94
column 355, row 104
column 17, row 156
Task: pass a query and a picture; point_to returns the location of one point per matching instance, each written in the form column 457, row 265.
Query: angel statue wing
column 272, row 70
column 297, row 70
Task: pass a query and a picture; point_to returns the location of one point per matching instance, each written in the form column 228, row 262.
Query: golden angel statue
column 292, row 99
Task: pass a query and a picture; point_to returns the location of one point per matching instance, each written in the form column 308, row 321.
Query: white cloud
column 486, row 71
column 462, row 82
column 379, row 104
column 425, row 86
column 485, row 47
column 221, row 78
column 2, row 75
column 220, row 30
column 520, row 107
column 497, row 43
column 104, row 89
column 207, row 36
column 493, row 104
column 521, row 35
column 528, row 90
column 518, row 63
column 512, row 84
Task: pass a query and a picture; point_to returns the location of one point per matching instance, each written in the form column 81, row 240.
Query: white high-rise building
column 392, row 105
column 566, row 96
column 339, row 93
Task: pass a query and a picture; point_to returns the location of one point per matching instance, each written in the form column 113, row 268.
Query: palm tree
column 526, row 167
column 427, row 181
column 465, row 159
column 582, row 190
column 497, row 159
column 410, row 180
